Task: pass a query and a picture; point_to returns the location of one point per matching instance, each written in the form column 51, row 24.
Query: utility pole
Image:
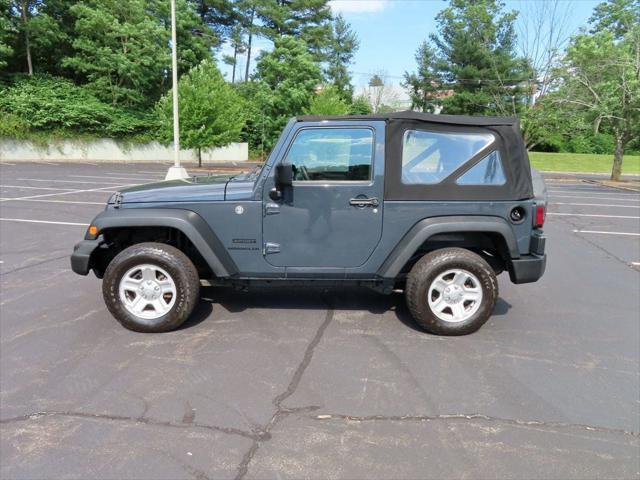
column 175, row 172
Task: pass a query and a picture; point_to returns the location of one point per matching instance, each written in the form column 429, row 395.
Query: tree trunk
column 246, row 73
column 199, row 157
column 596, row 125
column 27, row 44
column 616, row 171
column 235, row 61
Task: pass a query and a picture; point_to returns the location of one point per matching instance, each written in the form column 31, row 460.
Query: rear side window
column 487, row 172
column 430, row 157
column 332, row 154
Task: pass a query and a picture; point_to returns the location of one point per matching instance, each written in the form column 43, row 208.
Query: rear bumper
column 81, row 256
column 527, row 268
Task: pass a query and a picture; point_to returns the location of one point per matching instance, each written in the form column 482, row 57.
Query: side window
column 430, row 157
column 321, row 154
column 487, row 172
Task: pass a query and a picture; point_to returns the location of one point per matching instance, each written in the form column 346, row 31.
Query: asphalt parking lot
column 316, row 383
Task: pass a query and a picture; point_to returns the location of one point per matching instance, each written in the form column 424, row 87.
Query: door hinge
column 271, row 208
column 271, row 248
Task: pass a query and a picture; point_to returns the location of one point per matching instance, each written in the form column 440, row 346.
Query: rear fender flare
column 428, row 227
column 188, row 222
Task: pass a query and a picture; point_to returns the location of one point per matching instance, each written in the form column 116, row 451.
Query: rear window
column 486, row 172
column 430, row 157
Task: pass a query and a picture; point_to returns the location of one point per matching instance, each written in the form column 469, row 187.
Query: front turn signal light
column 92, row 232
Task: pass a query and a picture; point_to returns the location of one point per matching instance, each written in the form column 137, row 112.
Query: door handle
column 364, row 202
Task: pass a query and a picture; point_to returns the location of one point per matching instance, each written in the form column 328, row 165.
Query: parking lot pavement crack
column 594, row 244
column 37, row 264
column 473, row 416
column 136, row 420
column 282, row 412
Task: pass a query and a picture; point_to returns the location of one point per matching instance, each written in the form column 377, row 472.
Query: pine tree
column 7, row 33
column 424, row 86
column 292, row 75
column 307, row 20
column 475, row 45
column 344, row 44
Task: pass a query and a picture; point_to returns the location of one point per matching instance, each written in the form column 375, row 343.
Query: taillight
column 539, row 216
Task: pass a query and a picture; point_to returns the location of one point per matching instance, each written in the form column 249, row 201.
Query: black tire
column 175, row 263
column 428, row 268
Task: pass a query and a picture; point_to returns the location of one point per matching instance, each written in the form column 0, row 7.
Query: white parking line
column 607, row 233
column 595, row 205
column 121, row 178
column 35, row 188
column 597, row 198
column 590, row 215
column 43, row 221
column 596, row 192
column 101, row 189
column 636, row 264
column 50, row 201
column 63, row 181
column 130, row 174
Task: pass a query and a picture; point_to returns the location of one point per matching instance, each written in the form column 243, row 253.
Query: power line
column 454, row 82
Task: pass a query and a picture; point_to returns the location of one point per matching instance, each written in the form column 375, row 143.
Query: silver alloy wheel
column 147, row 291
column 455, row 295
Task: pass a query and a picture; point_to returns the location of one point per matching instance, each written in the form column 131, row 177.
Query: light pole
column 176, row 171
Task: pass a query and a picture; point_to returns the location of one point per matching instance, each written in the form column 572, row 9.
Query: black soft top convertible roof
column 508, row 141
column 419, row 116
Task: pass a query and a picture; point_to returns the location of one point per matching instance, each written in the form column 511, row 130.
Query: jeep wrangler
column 434, row 205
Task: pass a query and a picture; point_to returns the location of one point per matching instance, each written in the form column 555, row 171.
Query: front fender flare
column 428, row 227
column 188, row 222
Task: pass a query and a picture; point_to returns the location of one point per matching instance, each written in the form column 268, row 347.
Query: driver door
column 332, row 215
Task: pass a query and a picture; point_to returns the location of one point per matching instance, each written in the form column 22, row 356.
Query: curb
column 618, row 187
column 551, row 172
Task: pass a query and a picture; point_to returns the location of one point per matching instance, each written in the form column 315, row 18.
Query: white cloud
column 358, row 6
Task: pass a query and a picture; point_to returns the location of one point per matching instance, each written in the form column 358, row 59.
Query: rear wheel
column 451, row 291
column 151, row 287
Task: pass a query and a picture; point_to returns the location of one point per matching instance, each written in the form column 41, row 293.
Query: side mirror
column 284, row 175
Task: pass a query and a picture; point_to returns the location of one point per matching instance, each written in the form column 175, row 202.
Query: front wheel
column 451, row 291
column 151, row 287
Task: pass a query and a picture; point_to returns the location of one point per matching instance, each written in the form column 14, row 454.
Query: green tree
column 328, row 102
column 7, row 33
column 212, row 114
column 58, row 107
column 259, row 99
column 423, row 85
column 476, row 56
column 291, row 74
column 601, row 79
column 617, row 16
column 239, row 47
column 307, row 20
column 122, row 48
column 343, row 46
column 119, row 48
column 360, row 106
column 195, row 39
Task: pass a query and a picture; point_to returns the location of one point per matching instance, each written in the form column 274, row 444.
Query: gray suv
column 435, row 205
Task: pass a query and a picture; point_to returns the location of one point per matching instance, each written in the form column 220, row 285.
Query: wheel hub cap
column 147, row 291
column 455, row 295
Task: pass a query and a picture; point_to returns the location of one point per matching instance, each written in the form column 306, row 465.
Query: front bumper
column 81, row 256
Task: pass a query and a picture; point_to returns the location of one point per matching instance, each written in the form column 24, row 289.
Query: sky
column 390, row 31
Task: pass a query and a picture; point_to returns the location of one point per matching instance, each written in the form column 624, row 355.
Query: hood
column 193, row 189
